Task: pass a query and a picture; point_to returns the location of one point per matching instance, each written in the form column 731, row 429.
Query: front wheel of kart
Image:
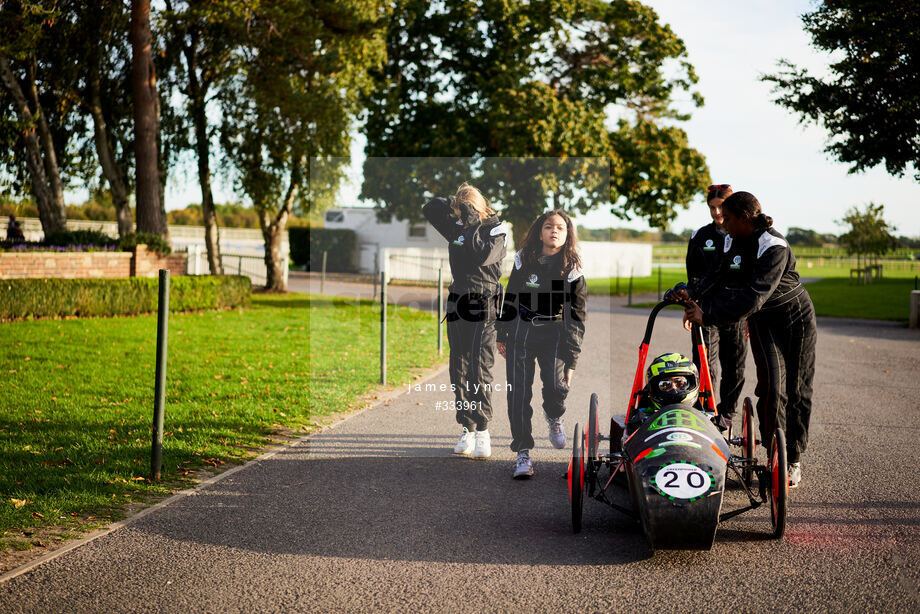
column 576, row 475
column 593, row 430
column 748, row 441
column 779, row 483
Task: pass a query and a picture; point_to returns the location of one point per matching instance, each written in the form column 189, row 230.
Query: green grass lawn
column 899, row 270
column 76, row 396
column 641, row 285
column 885, row 299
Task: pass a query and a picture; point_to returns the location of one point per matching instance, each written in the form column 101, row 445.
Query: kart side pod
column 676, row 461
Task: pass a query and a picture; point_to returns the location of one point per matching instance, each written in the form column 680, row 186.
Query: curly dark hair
column 533, row 244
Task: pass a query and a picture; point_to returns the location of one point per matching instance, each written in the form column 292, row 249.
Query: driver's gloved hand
column 468, row 215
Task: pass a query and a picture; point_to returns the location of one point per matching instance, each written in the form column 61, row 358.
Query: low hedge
column 50, row 298
column 308, row 245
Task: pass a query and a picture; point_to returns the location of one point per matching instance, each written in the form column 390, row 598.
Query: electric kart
column 675, row 462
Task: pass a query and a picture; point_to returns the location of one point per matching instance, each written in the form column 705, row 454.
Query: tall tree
column 870, row 100
column 294, row 100
column 28, row 30
column 525, row 93
column 103, row 92
column 203, row 34
column 151, row 214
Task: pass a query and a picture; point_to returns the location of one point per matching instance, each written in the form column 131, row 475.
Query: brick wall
column 73, row 265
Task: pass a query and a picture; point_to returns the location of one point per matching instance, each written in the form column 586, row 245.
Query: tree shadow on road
column 392, row 498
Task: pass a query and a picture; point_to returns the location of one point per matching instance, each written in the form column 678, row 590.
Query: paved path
column 375, row 515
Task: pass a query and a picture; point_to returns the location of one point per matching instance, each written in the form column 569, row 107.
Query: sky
column 749, row 142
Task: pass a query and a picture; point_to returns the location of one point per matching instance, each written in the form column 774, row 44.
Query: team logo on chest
column 532, row 282
column 736, row 263
column 459, row 240
column 709, row 247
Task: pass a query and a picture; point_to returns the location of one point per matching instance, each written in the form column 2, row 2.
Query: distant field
column 815, row 261
column 886, row 299
column 640, row 285
column 677, row 251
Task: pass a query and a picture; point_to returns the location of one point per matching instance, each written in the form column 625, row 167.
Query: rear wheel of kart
column 779, row 483
column 748, row 441
column 577, row 478
column 593, row 430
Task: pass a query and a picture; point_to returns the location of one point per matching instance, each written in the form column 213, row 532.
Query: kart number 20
column 682, row 481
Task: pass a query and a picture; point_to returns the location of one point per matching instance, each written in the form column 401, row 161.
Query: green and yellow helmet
column 672, row 378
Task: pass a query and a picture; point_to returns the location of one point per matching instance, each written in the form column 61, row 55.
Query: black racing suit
column 476, row 249
column 781, row 321
column 543, row 318
column 726, row 345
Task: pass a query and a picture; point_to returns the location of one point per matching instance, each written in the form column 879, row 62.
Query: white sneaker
column 795, row 474
column 466, row 443
column 483, row 445
column 523, row 466
column 556, row 432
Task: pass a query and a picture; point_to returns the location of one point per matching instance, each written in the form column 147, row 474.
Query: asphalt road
column 376, row 515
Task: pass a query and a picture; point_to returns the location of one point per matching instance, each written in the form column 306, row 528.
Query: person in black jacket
column 726, row 345
column 781, row 321
column 14, row 232
column 543, row 319
column 476, row 248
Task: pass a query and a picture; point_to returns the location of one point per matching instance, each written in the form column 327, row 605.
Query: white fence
column 598, row 259
column 234, row 263
column 615, row 259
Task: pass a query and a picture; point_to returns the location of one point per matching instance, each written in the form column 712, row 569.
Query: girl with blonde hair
column 476, row 248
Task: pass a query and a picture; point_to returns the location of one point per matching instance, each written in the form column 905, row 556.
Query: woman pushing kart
column 726, row 345
column 758, row 281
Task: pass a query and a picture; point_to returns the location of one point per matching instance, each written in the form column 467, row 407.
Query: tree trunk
column 211, row 234
column 47, row 144
column 198, row 95
column 43, row 169
column 273, row 232
column 150, row 215
column 106, row 156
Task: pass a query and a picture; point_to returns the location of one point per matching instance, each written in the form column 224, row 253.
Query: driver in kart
column 672, row 378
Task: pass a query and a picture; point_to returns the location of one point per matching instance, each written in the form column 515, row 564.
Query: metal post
column 239, row 266
column 629, row 301
column 322, row 280
column 659, row 282
column 440, row 308
column 383, row 327
column 376, row 271
column 159, row 390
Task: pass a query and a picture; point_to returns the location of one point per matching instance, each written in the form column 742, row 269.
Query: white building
column 416, row 251
column 374, row 237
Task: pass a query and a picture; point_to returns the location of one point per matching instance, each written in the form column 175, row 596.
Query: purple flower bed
column 36, row 247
